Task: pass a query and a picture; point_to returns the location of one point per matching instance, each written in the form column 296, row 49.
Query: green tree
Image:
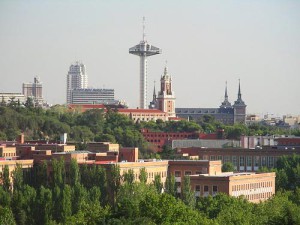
column 227, row 167
column 188, row 196
column 143, row 175
column 6, row 178
column 44, row 206
column 171, row 186
column 158, row 184
column 6, row 216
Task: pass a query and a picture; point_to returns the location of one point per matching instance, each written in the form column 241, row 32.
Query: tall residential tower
column 77, row 78
column 143, row 50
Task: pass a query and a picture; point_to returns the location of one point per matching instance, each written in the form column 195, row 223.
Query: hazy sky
column 206, row 43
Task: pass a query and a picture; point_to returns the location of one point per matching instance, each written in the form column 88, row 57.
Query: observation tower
column 143, row 50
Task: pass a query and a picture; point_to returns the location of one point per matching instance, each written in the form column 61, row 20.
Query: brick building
column 255, row 187
column 243, row 159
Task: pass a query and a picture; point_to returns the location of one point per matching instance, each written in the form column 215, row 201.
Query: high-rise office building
column 76, row 79
column 34, row 90
column 93, row 96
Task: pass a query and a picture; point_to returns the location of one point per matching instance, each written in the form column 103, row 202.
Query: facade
column 9, row 97
column 226, row 113
column 92, row 96
column 205, row 143
column 76, row 79
column 144, row 114
column 144, row 50
column 34, row 90
column 249, row 160
column 255, row 187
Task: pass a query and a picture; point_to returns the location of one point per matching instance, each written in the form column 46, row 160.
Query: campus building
column 243, row 159
column 226, row 113
column 255, row 187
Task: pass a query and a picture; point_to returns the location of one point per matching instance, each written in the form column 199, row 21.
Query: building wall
column 255, row 187
column 102, row 147
column 7, row 151
column 92, row 96
column 7, row 97
column 144, row 114
column 242, row 159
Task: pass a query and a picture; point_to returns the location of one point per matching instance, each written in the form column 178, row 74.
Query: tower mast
column 143, row 50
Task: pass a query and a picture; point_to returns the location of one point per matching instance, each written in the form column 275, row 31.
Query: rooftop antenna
column 144, row 34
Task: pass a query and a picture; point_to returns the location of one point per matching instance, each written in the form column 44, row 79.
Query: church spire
column 239, row 93
column 226, row 103
column 154, row 93
column 226, row 96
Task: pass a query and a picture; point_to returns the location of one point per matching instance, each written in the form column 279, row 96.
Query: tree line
column 87, row 194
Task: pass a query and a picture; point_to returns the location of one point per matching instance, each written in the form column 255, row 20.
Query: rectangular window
column 177, row 174
column 197, row 188
column 256, row 161
column 205, row 188
column 215, row 188
column 242, row 160
column 187, row 173
column 226, row 158
column 271, row 161
column 234, row 161
column 263, row 161
column 249, row 161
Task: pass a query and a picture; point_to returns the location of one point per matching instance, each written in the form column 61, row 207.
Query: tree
column 188, row 196
column 228, row 167
column 17, row 176
column 143, row 175
column 157, row 183
column 171, row 185
column 6, row 216
column 74, row 176
column 45, row 205
column 6, row 178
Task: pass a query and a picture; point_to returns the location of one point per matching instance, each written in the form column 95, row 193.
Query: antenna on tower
column 144, row 34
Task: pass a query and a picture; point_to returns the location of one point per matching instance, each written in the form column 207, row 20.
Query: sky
column 205, row 44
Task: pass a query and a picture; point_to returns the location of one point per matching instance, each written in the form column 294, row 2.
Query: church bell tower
column 166, row 96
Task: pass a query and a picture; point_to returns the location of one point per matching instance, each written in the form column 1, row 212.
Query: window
column 197, row 188
column 226, row 158
column 215, row 188
column 242, row 160
column 263, row 161
column 187, row 173
column 177, row 174
column 205, row 188
column 234, row 161
column 249, row 161
column 256, row 161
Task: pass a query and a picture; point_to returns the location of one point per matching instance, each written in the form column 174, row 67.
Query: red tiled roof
column 87, row 106
column 140, row 111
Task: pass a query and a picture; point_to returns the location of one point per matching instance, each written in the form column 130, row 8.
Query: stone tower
column 166, row 96
column 239, row 108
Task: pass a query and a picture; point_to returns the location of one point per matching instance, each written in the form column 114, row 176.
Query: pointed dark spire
column 239, row 93
column 154, row 93
column 226, row 96
column 225, row 103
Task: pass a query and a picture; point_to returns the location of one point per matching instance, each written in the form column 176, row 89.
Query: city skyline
column 206, row 43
